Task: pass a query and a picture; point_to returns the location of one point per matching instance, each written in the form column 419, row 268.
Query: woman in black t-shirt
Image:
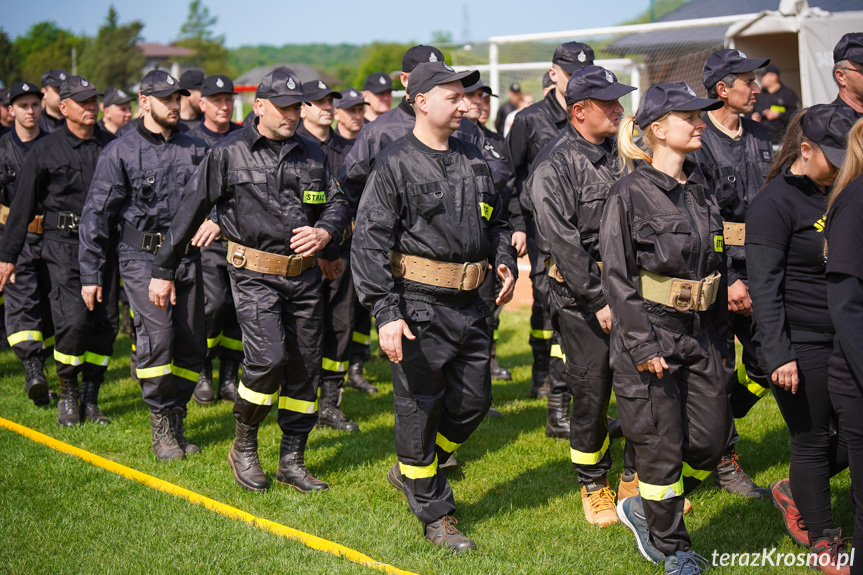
column 785, row 260
column 845, row 296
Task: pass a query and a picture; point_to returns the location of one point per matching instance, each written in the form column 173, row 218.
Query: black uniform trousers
column 543, row 341
column 747, row 383
column 169, row 343
column 679, row 425
column 339, row 296
column 283, row 326
column 361, row 337
column 441, row 392
column 224, row 338
column 83, row 339
column 29, row 329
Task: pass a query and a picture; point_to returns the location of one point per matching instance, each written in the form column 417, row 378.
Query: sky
column 278, row 22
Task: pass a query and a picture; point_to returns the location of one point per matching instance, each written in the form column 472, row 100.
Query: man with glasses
column 848, row 72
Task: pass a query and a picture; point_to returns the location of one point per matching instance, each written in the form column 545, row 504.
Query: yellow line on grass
column 226, row 510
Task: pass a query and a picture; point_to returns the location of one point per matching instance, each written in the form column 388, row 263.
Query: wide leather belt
column 554, row 271
column 35, row 226
column 681, row 294
column 463, row 277
column 240, row 256
column 734, row 233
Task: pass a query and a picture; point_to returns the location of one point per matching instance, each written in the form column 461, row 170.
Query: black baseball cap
column 480, row 85
column 729, row 61
column 378, row 82
column 161, row 84
column 54, row 77
column 661, row 99
column 4, row 98
column 417, row 55
column 78, row 88
column 115, row 96
column 217, row 84
column 317, row 89
column 828, row 126
column 430, row 74
column 515, row 88
column 350, row 98
column 769, row 69
column 192, row 79
column 594, row 82
column 572, row 56
column 849, row 47
column 282, row 89
column 19, row 89
column 546, row 80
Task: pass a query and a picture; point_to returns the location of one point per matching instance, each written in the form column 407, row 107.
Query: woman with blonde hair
column 844, row 235
column 662, row 245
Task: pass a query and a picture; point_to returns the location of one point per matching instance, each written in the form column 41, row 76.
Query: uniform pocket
column 635, row 409
column 427, row 198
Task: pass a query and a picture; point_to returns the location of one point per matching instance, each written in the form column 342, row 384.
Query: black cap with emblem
column 54, row 77
column 317, row 89
column 192, row 79
column 430, row 74
column 729, row 61
column 572, row 56
column 828, row 126
column 378, row 82
column 350, row 98
column 78, row 88
column 595, row 83
column 417, row 55
column 217, row 84
column 161, row 84
column 281, row 88
column 661, row 99
column 19, row 89
column 115, row 96
column 849, row 47
column 480, row 85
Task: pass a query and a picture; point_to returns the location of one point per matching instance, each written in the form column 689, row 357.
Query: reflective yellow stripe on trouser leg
column 332, row 365
column 231, row 343
column 698, row 474
column 361, row 338
column 653, row 492
column 557, row 351
column 419, row 472
column 255, row 397
column 298, row 405
column 584, row 458
column 167, row 369
column 25, row 335
column 446, row 444
column 541, row 333
column 750, row 384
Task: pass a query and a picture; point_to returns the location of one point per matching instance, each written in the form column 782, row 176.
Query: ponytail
column 852, row 167
column 627, row 150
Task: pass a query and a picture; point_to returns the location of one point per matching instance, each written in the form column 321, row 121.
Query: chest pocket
column 725, row 186
column 66, row 180
column 591, row 201
column 664, row 244
column 250, row 192
column 427, row 198
column 313, row 188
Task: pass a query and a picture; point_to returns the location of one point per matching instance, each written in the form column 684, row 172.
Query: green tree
column 9, row 61
column 196, row 34
column 380, row 57
column 113, row 58
column 46, row 46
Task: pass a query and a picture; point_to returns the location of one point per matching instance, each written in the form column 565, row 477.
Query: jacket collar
column 803, row 183
column 665, row 182
column 253, row 137
column 557, row 113
column 593, row 152
column 152, row 137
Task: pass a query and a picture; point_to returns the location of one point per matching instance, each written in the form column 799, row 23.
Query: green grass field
column 516, row 492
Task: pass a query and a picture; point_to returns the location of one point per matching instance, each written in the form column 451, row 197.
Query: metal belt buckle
column 238, row 258
column 465, row 273
column 151, row 242
column 68, row 222
column 295, row 266
column 683, row 299
column 397, row 266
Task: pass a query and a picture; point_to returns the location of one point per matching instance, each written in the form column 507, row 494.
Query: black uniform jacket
column 335, row 146
column 569, row 186
column 49, row 124
column 210, row 137
column 654, row 223
column 262, row 192
column 56, row 174
column 138, row 183
column 440, row 205
column 735, row 172
column 12, row 154
column 389, row 127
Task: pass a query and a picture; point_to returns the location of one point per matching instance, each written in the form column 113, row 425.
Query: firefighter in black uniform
column 349, row 114
column 568, row 186
column 662, row 249
column 6, row 120
column 334, row 261
column 52, row 118
column 278, row 205
column 532, row 129
column 116, row 106
column 735, row 156
column 495, row 139
column 224, row 338
column 28, row 316
column 420, row 282
column 378, row 94
column 190, row 106
column 848, row 72
column 57, row 175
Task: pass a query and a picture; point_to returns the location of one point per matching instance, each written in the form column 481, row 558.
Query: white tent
column 799, row 40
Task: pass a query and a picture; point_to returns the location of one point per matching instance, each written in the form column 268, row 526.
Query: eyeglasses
column 858, row 70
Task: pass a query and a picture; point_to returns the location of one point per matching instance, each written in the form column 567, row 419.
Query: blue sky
column 278, row 22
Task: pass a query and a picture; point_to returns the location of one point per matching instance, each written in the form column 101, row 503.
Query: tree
column 9, row 61
column 196, row 34
column 46, row 46
column 380, row 57
column 113, row 58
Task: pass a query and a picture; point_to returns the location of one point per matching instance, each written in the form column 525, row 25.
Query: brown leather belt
column 681, row 294
column 240, row 256
column 35, row 226
column 734, row 233
column 463, row 277
column 554, row 271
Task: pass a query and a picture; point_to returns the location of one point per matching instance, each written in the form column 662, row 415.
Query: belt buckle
column 682, row 296
column 464, row 273
column 295, row 266
column 238, row 258
column 151, row 242
column 68, row 222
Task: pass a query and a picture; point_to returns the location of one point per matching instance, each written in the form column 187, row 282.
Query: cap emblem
column 121, row 93
column 26, row 87
column 609, row 76
column 169, row 80
column 84, row 82
column 219, row 83
column 384, row 82
column 691, row 92
column 432, row 57
column 354, row 94
column 741, row 54
column 582, row 57
column 290, row 83
column 448, row 68
column 62, row 77
column 321, row 85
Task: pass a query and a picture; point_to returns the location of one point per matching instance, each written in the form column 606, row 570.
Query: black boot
column 90, row 403
column 35, row 382
column 292, row 467
column 731, row 477
column 498, row 372
column 356, row 379
column 178, row 415
column 229, row 370
column 557, row 425
column 243, row 458
column 164, row 442
column 203, row 394
column 68, row 413
column 329, row 415
column 539, row 386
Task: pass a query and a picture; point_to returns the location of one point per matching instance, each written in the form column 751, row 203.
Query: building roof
column 156, row 51
column 305, row 72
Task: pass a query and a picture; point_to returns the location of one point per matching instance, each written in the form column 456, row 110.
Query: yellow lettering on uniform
column 314, row 197
column 821, row 224
column 778, row 109
column 718, row 243
column 486, row 210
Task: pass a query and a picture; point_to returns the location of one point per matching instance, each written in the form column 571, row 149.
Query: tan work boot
column 597, row 498
column 630, row 489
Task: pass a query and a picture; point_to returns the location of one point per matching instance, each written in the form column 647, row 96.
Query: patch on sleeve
column 718, row 243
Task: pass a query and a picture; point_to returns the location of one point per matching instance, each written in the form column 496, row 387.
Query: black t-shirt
column 784, row 101
column 789, row 215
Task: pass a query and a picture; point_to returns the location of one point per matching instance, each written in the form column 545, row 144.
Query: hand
column 331, row 268
column 307, row 240
column 785, row 376
column 161, row 292
column 7, row 274
column 519, row 242
column 508, row 289
column 208, row 231
column 771, row 115
column 390, row 338
column 603, row 316
column 91, row 295
column 655, row 365
column 738, row 298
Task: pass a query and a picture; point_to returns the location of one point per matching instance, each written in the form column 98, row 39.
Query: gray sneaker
column 631, row 513
column 685, row 563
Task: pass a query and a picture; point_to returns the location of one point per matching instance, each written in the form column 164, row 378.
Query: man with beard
column 190, row 106
column 137, row 186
